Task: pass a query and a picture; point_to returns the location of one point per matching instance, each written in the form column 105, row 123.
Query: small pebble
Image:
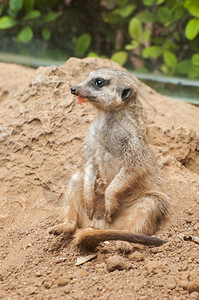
column 63, row 281
column 117, row 262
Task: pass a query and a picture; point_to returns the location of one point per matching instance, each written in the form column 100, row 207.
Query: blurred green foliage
column 159, row 36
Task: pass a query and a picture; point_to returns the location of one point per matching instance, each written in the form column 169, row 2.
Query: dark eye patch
column 99, row 82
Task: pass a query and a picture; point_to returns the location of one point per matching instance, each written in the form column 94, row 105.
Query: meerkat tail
column 90, row 238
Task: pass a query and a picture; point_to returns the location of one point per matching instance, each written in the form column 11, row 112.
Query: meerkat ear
column 125, row 93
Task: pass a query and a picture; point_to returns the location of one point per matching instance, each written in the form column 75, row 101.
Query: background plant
column 150, row 35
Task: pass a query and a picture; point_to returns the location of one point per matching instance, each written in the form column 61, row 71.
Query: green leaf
column 193, row 72
column 132, row 46
column 115, row 15
column 120, row 57
column 82, row 44
column 179, row 13
column 111, row 18
column 147, row 16
column 170, row 59
column 152, row 2
column 146, row 35
column 164, row 14
column 164, row 68
column 92, row 54
column 122, row 2
column 169, row 45
column 34, row 14
column 158, row 2
column 195, row 59
column 183, row 67
column 129, row 47
column 124, row 11
column 52, row 16
column 176, row 36
column 152, row 51
column 148, row 2
column 15, row 5
column 25, row 35
column 192, row 29
column 7, row 22
column 46, row 34
column 193, row 7
column 28, row 5
column 135, row 29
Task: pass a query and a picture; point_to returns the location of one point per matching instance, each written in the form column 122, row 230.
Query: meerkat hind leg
column 72, row 207
column 69, row 224
column 64, row 228
column 143, row 217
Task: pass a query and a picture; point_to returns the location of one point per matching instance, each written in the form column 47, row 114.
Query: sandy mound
column 42, row 131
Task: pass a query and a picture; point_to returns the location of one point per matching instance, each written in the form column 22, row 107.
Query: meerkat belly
column 108, row 165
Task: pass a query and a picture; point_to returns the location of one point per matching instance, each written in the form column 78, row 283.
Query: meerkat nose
column 73, row 90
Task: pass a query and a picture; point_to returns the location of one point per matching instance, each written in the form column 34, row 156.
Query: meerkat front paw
column 107, row 217
column 109, row 211
column 111, row 204
column 90, row 210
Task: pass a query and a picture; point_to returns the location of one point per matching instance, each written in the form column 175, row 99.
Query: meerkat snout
column 73, row 90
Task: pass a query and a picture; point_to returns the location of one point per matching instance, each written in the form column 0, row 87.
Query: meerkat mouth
column 81, row 99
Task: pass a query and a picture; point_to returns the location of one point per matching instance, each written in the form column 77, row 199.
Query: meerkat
column 119, row 195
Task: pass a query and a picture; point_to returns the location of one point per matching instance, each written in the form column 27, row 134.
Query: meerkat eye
column 99, row 82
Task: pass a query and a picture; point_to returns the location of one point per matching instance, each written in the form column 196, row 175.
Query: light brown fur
column 121, row 188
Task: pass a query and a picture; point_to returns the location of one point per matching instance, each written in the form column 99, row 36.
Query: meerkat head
column 108, row 89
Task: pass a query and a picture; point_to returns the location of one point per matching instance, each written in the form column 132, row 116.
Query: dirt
column 42, row 131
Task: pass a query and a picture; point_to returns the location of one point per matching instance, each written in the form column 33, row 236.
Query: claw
column 54, row 230
column 90, row 213
column 107, row 217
